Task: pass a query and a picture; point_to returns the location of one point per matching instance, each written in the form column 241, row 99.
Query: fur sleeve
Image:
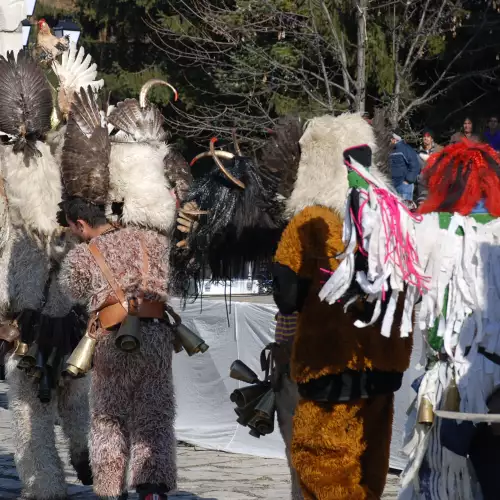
column 314, row 232
column 76, row 274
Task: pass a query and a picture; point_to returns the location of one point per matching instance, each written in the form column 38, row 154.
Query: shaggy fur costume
column 340, row 450
column 132, row 400
column 37, row 460
column 31, row 250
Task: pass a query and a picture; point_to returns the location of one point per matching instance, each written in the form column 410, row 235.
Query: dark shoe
column 81, row 464
column 152, row 491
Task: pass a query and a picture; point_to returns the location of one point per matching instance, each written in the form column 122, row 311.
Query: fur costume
column 31, row 300
column 132, row 401
column 342, row 425
column 132, row 442
column 241, row 220
column 459, row 244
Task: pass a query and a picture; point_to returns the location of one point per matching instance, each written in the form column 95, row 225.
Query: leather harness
column 113, row 313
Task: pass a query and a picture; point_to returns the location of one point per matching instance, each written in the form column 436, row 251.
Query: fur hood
column 137, row 179
column 322, row 175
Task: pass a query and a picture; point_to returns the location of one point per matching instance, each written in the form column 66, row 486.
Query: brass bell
column 247, row 413
column 191, row 342
column 242, row 397
column 28, row 361
column 21, row 349
column 240, row 371
column 261, row 425
column 451, row 397
column 52, row 361
column 425, row 412
column 129, row 334
column 263, row 421
column 37, row 371
column 177, row 345
column 80, row 360
column 267, row 405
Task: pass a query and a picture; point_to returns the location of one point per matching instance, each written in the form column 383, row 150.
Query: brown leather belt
column 112, row 315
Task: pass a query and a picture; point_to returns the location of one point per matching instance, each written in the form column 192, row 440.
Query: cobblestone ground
column 203, row 474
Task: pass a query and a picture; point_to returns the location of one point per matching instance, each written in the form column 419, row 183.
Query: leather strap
column 113, row 315
column 106, row 271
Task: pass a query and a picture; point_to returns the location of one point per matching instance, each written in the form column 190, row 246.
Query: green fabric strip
column 356, row 181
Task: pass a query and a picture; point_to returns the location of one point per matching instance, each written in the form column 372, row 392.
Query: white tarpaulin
column 205, row 415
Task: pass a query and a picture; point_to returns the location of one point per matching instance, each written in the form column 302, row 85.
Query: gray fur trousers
column 37, row 461
column 132, row 414
column 286, row 401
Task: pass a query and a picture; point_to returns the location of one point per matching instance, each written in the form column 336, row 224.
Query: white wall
column 12, row 12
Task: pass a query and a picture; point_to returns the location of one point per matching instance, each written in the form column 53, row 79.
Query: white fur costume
column 32, row 246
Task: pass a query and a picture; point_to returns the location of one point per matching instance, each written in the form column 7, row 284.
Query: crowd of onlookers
column 406, row 163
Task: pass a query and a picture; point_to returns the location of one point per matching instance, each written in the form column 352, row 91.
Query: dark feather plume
column 140, row 124
column 86, row 151
column 242, row 225
column 25, row 102
column 281, row 155
column 383, row 135
column 178, row 173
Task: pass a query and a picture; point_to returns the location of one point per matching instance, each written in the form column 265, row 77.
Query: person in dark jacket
column 405, row 167
column 426, row 150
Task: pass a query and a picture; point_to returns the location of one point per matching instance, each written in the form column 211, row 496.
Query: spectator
column 465, row 132
column 492, row 134
column 428, row 147
column 405, row 167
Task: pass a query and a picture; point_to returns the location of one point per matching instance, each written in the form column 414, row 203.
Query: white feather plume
column 75, row 71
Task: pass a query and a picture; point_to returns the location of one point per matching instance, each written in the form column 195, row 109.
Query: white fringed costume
column 447, row 266
column 32, row 247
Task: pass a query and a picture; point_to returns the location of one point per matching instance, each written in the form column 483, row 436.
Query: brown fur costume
column 340, row 449
column 132, row 400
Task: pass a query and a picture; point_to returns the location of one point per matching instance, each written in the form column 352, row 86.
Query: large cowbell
column 256, row 403
column 80, row 361
column 128, row 337
column 184, row 337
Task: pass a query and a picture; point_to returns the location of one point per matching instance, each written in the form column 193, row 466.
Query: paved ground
column 203, row 474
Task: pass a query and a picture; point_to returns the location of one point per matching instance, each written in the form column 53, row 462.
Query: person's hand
column 406, row 182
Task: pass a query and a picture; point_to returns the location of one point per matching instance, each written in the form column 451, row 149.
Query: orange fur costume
column 340, row 449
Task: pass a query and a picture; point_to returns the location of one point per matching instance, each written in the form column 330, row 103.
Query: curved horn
column 221, row 154
column 221, row 166
column 143, row 96
column 235, row 141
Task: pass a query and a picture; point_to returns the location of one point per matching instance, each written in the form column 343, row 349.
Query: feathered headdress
column 383, row 136
column 460, row 176
column 138, row 120
column 139, row 158
column 243, row 220
column 75, row 71
column 25, row 102
column 281, row 154
column 86, row 152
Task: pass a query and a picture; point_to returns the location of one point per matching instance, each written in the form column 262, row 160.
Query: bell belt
column 112, row 315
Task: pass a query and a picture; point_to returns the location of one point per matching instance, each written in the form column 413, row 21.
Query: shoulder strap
column 145, row 264
column 106, row 271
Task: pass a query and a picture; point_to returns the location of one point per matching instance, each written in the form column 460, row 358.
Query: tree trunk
column 394, row 106
column 361, row 8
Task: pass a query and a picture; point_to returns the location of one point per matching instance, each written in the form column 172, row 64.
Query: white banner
column 205, row 415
